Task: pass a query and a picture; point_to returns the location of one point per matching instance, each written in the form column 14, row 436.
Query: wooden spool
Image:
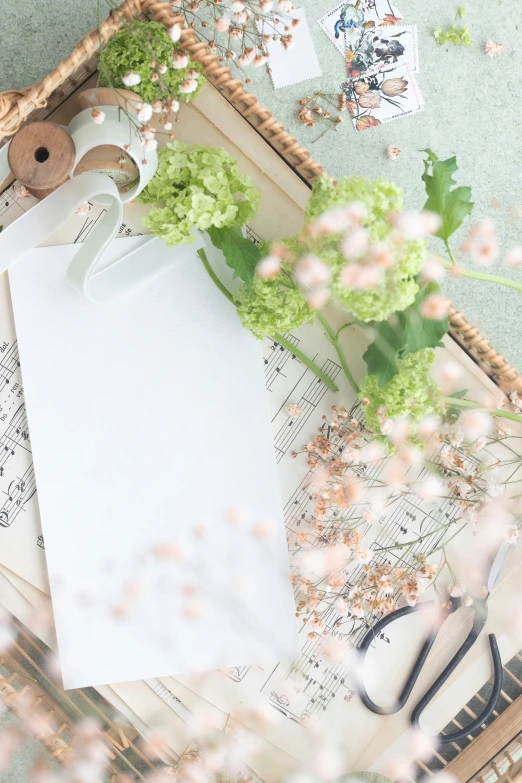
column 41, row 155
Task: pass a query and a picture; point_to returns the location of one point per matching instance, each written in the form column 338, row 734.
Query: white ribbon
column 50, row 214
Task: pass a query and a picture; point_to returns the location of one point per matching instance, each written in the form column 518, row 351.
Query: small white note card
column 156, row 475
column 299, row 62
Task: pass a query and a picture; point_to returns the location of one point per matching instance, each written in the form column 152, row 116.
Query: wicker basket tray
column 37, row 101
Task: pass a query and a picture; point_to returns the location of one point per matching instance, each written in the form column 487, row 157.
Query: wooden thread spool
column 41, row 155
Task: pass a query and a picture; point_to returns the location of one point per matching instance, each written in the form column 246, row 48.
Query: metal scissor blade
column 498, row 564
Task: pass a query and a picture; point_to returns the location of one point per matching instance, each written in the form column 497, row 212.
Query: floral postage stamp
column 358, row 15
column 382, row 98
column 371, row 51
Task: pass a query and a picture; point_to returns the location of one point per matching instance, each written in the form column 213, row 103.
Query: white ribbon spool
column 52, row 213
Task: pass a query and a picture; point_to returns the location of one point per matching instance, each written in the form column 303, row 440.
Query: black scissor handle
column 450, row 668
column 417, row 666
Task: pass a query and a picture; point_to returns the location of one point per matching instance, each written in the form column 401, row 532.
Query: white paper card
column 149, row 422
column 298, row 63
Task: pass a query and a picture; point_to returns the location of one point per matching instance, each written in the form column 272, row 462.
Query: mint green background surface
column 473, row 107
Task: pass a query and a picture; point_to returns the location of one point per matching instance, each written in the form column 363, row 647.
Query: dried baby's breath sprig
column 322, row 107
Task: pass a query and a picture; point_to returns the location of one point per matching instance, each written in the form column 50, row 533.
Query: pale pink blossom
column 265, row 6
column 432, row 271
column 150, row 145
column 417, row 225
column 222, row 24
column 311, row 272
column 362, row 554
column 494, row 49
column 247, row 57
column 448, row 375
column 476, row 423
column 144, row 112
column 157, row 106
column 260, row 59
column 131, row 79
column 97, row 116
column 241, row 17
column 360, row 277
column 481, row 243
column 514, row 257
column 188, row 86
column 269, row 268
column 430, row 489
column 175, row 32
column 237, row 6
column 317, row 299
column 21, row 191
column 456, row 590
column 294, row 410
column 174, row 106
column 167, row 125
column 356, row 243
column 148, row 132
column 381, row 255
column 511, row 534
column 83, row 209
column 356, row 609
column 179, row 60
column 162, row 68
column 428, row 426
column 284, row 7
column 435, row 307
column 393, row 153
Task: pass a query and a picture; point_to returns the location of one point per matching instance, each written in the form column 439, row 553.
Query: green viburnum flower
column 133, row 49
column 410, row 393
column 271, row 307
column 196, row 186
column 399, row 287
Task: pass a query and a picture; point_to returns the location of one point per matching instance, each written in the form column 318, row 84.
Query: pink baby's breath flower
column 360, row 277
column 247, row 57
column 144, row 112
column 168, row 550
column 362, row 554
column 432, row 271
column 514, row 257
column 317, row 299
column 284, row 7
column 481, row 243
column 179, row 60
column 294, row 410
column 174, row 106
column 435, row 307
column 188, row 86
column 21, row 191
column 448, row 376
column 456, row 590
column 265, row 6
column 237, row 6
column 175, row 32
column 381, row 255
column 311, row 272
column 263, row 530
column 430, row 489
column 162, row 68
column 269, row 268
column 222, row 24
column 494, row 49
column 131, row 79
column 475, row 424
column 393, row 153
column 97, row 116
column 417, row 225
column 83, row 209
column 260, row 59
column 355, row 243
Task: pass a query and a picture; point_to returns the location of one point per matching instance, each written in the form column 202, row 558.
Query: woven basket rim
column 17, row 105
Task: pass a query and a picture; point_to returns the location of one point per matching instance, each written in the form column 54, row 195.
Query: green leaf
column 403, row 333
column 382, row 356
column 420, row 332
column 241, row 255
column 453, row 410
column 453, row 206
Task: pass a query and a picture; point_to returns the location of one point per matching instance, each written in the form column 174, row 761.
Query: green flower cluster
column 399, row 286
column 272, row 307
column 410, row 393
column 134, row 49
column 196, row 186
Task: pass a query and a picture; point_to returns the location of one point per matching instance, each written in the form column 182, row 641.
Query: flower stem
column 277, row 337
column 306, row 361
column 340, row 353
column 460, row 271
column 456, row 402
column 203, row 256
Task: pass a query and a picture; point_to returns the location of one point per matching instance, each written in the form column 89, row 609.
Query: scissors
column 481, row 614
